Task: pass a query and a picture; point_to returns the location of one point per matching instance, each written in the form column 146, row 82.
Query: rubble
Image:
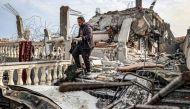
column 147, row 73
column 136, row 64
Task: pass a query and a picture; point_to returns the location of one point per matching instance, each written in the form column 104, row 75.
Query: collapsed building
column 136, row 64
column 135, row 46
column 136, row 29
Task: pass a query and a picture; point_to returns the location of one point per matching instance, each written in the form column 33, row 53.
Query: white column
column 64, row 68
column 43, row 77
column 36, row 80
column 28, row 80
column 3, row 49
column 37, row 52
column 10, row 74
column 20, row 81
column 49, row 77
column 11, row 51
column 1, row 78
column 6, row 51
column 0, row 49
column 14, row 52
column 60, row 72
column 55, row 73
column 17, row 51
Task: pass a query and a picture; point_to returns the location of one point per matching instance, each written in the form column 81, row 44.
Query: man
column 85, row 44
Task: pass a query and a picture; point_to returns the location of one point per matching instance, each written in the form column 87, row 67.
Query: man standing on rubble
column 84, row 46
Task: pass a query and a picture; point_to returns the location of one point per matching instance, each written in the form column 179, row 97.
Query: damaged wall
column 186, row 48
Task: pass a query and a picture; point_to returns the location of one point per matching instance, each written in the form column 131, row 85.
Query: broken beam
column 77, row 86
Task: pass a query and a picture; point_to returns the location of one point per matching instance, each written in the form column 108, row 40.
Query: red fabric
column 25, row 48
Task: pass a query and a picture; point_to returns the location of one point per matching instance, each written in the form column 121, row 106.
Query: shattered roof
column 115, row 18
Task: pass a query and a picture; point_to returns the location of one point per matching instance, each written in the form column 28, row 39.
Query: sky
column 38, row 14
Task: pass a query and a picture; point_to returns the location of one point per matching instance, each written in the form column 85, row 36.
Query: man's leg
column 75, row 54
column 85, row 56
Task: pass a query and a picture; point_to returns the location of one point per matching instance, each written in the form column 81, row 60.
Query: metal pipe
column 76, row 86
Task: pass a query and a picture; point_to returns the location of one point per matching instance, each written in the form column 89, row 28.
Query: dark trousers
column 85, row 55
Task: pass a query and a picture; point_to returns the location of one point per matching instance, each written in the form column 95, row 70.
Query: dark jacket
column 85, row 31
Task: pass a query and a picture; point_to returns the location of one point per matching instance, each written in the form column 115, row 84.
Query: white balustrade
column 28, row 79
column 1, row 78
column 43, row 76
column 46, row 67
column 36, row 80
column 10, row 74
column 49, row 76
column 60, row 71
column 11, row 49
column 55, row 72
column 19, row 82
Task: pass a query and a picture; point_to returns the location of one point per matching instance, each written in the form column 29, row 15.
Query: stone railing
column 38, row 73
column 11, row 50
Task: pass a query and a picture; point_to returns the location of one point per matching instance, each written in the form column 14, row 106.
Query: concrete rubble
column 136, row 64
column 137, row 46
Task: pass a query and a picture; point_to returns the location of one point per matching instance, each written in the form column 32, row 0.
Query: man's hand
column 77, row 39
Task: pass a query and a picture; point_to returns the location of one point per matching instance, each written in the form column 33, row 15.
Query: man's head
column 80, row 20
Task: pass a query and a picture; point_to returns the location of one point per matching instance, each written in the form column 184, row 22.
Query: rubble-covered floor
column 149, row 75
column 68, row 100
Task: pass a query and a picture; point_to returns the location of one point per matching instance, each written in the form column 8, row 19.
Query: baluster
column 65, row 67
column 10, row 73
column 1, row 49
column 60, row 72
column 1, row 78
column 14, row 52
column 17, row 51
column 28, row 80
column 36, row 80
column 43, row 77
column 55, row 73
column 20, row 81
column 6, row 51
column 9, row 51
column 49, row 77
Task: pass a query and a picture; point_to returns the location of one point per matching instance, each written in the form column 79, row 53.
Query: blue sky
column 176, row 12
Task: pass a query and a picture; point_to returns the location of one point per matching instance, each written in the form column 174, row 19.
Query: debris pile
column 136, row 64
column 148, row 58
